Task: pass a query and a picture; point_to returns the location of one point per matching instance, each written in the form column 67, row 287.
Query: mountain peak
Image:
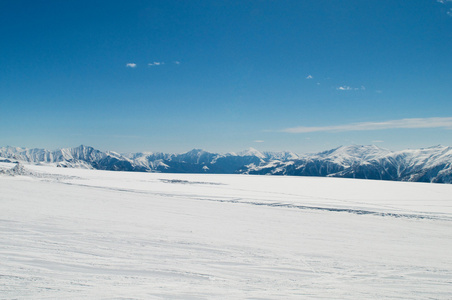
column 433, row 164
column 252, row 152
column 195, row 151
column 82, row 147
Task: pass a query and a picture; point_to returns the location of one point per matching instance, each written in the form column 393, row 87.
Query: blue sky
column 225, row 75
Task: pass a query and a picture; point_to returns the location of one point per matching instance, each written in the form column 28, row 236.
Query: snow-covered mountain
column 81, row 157
column 432, row 164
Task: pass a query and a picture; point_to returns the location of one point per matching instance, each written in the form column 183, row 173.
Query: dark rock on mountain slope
column 432, row 164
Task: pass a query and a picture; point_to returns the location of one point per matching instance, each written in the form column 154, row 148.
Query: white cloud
column 156, row 63
column 309, row 77
column 445, row 2
column 131, row 65
column 445, row 123
column 177, row 62
column 258, row 141
column 348, row 88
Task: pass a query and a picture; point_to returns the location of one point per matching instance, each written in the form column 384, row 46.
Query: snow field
column 86, row 234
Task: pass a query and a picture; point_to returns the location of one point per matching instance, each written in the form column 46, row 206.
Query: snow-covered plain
column 87, row 234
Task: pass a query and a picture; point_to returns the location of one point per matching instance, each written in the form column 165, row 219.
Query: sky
column 170, row 76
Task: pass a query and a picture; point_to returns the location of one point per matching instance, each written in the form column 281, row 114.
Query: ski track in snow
column 277, row 204
column 77, row 234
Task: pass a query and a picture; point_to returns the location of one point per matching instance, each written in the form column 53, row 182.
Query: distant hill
column 432, row 164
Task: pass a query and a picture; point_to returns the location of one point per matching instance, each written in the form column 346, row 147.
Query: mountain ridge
column 432, row 164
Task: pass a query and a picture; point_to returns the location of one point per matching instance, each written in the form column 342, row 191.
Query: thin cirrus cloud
column 152, row 64
column 156, row 63
column 348, row 88
column 446, row 2
column 159, row 63
column 445, row 123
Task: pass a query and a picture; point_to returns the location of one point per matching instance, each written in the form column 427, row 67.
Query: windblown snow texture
column 71, row 233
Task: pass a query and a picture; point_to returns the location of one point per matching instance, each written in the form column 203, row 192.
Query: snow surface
column 88, row 234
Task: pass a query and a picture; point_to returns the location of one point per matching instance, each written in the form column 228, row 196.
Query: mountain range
column 433, row 164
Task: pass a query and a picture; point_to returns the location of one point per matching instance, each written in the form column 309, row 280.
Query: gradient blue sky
column 170, row 76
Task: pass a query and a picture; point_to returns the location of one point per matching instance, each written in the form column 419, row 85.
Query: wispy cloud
column 131, row 65
column 177, row 62
column 348, row 88
column 259, row 141
column 156, row 63
column 344, row 88
column 309, row 77
column 446, row 2
column 445, row 123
